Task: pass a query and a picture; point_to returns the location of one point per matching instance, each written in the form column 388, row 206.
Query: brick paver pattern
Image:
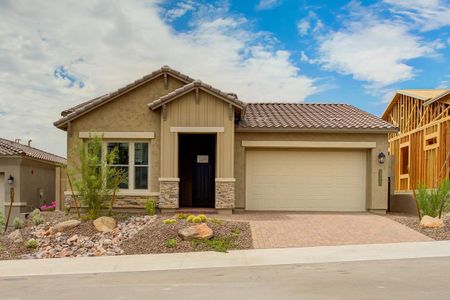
column 279, row 229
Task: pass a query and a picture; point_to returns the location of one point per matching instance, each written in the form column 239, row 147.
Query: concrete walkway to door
column 290, row 229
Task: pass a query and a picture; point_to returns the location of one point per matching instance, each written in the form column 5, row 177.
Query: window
column 404, row 160
column 133, row 161
column 140, row 166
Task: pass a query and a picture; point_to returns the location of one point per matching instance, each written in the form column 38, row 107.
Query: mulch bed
column 412, row 222
column 153, row 238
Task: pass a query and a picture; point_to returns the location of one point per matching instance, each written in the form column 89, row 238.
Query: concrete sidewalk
column 241, row 258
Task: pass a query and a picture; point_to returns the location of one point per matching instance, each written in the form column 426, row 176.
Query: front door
column 197, row 162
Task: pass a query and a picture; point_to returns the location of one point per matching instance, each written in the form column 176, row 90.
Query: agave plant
column 434, row 201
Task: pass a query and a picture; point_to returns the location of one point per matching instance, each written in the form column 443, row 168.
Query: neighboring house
column 33, row 173
column 191, row 145
column 421, row 148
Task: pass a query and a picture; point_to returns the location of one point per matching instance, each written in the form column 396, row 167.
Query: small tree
column 433, row 202
column 95, row 178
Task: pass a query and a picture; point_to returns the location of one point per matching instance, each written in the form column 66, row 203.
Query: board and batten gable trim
column 197, row 129
column 118, row 135
column 308, row 144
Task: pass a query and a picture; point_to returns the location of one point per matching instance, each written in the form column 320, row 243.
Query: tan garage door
column 307, row 180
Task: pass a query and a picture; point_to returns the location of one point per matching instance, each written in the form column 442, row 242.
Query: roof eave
column 437, row 98
column 317, row 130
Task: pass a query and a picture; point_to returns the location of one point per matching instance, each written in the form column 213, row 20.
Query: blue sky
column 56, row 54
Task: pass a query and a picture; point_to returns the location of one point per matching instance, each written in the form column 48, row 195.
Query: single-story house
column 32, row 173
column 189, row 144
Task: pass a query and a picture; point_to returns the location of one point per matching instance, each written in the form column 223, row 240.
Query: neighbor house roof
column 10, row 148
column 424, row 95
column 79, row 110
column 197, row 84
column 310, row 116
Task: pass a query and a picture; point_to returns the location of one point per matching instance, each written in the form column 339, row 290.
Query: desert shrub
column 218, row 244
column 215, row 221
column 95, row 178
column 150, row 207
column 433, row 202
column 196, row 220
column 2, row 221
column 190, row 217
column 202, row 217
column 169, row 221
column 17, row 223
column 235, row 231
column 172, row 243
column 181, row 216
column 37, row 217
column 31, row 244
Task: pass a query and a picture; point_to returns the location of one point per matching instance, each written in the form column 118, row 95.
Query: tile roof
column 10, row 148
column 78, row 110
column 232, row 98
column 310, row 116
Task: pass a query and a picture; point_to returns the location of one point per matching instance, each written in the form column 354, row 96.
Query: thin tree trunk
column 74, row 197
column 11, row 200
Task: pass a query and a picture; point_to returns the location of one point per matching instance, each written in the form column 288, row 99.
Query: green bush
column 215, row 221
column 181, row 216
column 172, row 243
column 218, row 244
column 37, row 217
column 17, row 223
column 2, row 221
column 169, row 221
column 202, row 217
column 31, row 244
column 150, row 207
column 190, row 217
column 196, row 220
column 434, row 201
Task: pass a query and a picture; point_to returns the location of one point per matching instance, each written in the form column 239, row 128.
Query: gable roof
column 438, row 97
column 10, row 148
column 197, row 84
column 80, row 109
column 302, row 116
column 423, row 95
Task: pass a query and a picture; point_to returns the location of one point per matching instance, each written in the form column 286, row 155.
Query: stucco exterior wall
column 208, row 111
column 127, row 113
column 376, row 198
column 9, row 166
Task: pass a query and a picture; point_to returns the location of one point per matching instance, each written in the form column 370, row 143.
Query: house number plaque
column 202, row 159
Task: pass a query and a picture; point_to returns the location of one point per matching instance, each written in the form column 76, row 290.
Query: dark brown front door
column 197, row 162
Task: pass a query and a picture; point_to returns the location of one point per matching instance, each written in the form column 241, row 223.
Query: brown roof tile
column 309, row 116
column 10, row 148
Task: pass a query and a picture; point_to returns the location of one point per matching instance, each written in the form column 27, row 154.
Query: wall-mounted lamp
column 10, row 179
column 381, row 158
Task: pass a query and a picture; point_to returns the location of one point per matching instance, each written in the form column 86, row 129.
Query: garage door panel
column 306, row 180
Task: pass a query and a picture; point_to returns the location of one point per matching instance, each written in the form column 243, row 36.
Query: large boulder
column 66, row 225
column 196, row 232
column 430, row 222
column 16, row 236
column 105, row 224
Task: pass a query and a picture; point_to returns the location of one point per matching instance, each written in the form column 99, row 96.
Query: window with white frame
column 133, row 161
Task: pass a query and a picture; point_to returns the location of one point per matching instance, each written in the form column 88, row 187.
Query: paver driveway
column 290, row 229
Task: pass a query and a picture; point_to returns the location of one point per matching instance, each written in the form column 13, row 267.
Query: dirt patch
column 153, row 239
column 413, row 222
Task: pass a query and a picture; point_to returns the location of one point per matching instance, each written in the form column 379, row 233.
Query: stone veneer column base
column 169, row 192
column 225, row 193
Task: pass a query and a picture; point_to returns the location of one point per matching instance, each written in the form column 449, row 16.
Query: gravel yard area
column 153, row 239
column 413, row 222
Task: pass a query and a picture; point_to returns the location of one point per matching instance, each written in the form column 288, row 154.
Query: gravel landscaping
column 154, row 238
column 413, row 223
column 134, row 234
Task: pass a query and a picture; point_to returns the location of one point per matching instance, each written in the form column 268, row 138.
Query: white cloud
column 303, row 27
column 268, row 4
column 309, row 24
column 108, row 44
column 373, row 51
column 427, row 14
column 179, row 10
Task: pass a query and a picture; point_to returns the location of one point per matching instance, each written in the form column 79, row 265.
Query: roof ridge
column 34, row 148
column 30, row 151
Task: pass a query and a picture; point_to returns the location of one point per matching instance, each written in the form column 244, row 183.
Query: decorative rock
column 105, row 224
column 430, row 222
column 72, row 239
column 201, row 232
column 16, row 236
column 66, row 225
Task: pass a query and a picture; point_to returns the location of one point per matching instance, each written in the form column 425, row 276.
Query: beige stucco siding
column 376, row 196
column 127, row 113
column 206, row 111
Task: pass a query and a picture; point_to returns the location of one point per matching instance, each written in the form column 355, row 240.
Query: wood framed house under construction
column 421, row 147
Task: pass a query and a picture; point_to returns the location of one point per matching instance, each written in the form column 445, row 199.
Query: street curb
column 236, row 258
